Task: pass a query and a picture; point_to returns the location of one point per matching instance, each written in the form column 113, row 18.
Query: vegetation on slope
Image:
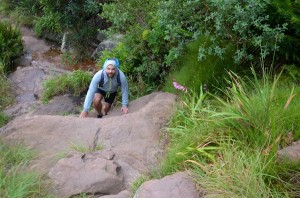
column 230, row 142
column 229, row 136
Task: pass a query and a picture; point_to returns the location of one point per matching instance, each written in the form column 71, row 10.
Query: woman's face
column 110, row 71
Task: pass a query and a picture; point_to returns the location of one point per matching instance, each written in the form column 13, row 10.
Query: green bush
column 10, row 46
column 75, row 83
column 22, row 12
column 49, row 22
column 7, row 5
column 192, row 73
column 154, row 34
column 78, row 19
column 246, row 25
column 260, row 112
column 287, row 11
column 156, row 40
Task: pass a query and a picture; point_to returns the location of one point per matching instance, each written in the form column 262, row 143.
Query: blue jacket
column 110, row 85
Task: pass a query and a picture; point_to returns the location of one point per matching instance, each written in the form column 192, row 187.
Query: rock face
column 35, row 66
column 133, row 138
column 131, row 142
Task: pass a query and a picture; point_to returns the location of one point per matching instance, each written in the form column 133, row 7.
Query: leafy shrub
column 22, row 12
column 292, row 72
column 47, row 22
column 78, row 19
column 287, row 11
column 134, row 21
column 155, row 42
column 244, row 24
column 261, row 113
column 193, row 74
column 10, row 46
column 7, row 5
column 75, row 83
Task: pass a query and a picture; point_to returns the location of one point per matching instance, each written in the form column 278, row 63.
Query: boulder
column 88, row 173
column 178, row 185
column 291, row 152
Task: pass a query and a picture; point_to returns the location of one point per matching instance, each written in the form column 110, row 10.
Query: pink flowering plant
column 179, row 86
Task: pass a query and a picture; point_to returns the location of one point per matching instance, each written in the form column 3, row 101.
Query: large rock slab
column 27, row 86
column 133, row 137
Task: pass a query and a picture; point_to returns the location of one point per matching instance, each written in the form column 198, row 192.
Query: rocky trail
column 128, row 144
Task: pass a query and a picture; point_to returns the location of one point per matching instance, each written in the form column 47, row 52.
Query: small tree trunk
column 63, row 43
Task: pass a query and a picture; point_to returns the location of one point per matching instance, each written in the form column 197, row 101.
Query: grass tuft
column 230, row 141
column 75, row 83
column 15, row 178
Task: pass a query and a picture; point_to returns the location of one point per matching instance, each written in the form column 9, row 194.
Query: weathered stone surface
column 36, row 65
column 178, row 185
column 86, row 173
column 131, row 141
column 59, row 105
column 291, row 152
column 122, row 194
column 133, row 137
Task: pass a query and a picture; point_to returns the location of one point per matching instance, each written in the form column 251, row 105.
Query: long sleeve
column 92, row 89
column 124, row 89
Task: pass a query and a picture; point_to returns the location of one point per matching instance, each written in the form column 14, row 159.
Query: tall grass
column 15, row 178
column 6, row 98
column 75, row 83
column 237, row 173
column 5, row 91
column 230, row 140
column 258, row 112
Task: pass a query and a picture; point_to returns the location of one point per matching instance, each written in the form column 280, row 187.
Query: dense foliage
column 76, row 19
column 156, row 39
column 244, row 24
column 155, row 32
column 230, row 140
column 288, row 11
column 10, row 46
